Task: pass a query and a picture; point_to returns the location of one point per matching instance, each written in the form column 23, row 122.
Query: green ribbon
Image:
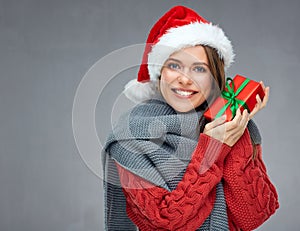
column 230, row 96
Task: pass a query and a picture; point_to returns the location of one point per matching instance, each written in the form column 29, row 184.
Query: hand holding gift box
column 239, row 93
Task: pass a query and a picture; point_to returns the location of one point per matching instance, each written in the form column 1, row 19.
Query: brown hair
column 217, row 70
column 216, row 65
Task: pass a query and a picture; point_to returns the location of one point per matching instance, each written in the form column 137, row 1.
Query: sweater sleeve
column 251, row 197
column 151, row 207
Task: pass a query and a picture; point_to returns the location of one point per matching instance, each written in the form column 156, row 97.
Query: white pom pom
column 138, row 92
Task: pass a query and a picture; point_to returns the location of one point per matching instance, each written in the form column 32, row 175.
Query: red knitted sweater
column 250, row 196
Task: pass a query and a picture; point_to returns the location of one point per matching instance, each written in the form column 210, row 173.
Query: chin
column 183, row 108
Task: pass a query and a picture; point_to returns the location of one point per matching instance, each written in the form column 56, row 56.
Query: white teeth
column 183, row 93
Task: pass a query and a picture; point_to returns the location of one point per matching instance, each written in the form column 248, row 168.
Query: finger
column 245, row 118
column 241, row 124
column 262, row 84
column 266, row 98
column 236, row 120
column 257, row 106
column 238, row 114
column 239, row 130
column 258, row 101
column 238, row 117
column 265, row 89
column 216, row 122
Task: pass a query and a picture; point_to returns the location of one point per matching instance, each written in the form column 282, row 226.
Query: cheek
column 167, row 76
column 204, row 85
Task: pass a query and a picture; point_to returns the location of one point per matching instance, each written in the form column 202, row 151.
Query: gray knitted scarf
column 154, row 142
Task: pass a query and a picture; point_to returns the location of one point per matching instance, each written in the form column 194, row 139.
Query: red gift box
column 240, row 93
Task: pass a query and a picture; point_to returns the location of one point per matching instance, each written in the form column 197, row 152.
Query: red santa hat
column 179, row 28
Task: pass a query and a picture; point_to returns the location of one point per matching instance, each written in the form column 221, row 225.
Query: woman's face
column 186, row 80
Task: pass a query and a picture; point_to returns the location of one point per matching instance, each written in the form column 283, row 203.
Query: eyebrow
column 196, row 63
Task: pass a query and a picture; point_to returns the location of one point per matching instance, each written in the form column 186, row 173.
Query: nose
column 184, row 79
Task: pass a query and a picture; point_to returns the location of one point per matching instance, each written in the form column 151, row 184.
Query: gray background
column 46, row 47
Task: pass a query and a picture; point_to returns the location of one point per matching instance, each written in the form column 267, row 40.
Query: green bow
column 230, row 96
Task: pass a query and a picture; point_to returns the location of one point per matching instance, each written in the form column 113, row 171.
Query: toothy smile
column 184, row 92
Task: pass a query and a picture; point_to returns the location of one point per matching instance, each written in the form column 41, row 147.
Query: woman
column 166, row 167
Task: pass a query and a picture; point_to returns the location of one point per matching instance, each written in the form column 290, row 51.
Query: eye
column 174, row 66
column 199, row 69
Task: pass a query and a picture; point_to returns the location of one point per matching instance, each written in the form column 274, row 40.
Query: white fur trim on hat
column 193, row 34
column 138, row 92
